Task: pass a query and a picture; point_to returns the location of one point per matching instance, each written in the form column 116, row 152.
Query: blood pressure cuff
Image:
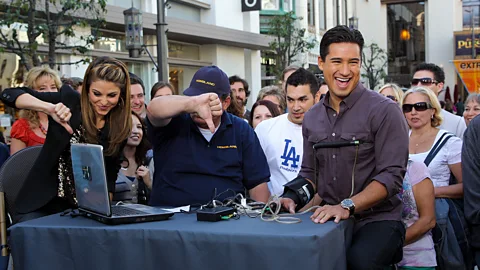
column 300, row 190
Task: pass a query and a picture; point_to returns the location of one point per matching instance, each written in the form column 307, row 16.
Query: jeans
column 376, row 245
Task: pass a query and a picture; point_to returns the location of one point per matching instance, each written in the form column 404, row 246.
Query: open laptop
column 92, row 193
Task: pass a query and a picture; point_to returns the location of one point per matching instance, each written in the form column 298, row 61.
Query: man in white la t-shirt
column 433, row 77
column 281, row 137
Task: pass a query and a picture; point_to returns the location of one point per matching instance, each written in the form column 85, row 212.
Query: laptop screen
column 90, row 178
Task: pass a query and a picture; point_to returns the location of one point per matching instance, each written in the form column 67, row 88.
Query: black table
column 63, row 242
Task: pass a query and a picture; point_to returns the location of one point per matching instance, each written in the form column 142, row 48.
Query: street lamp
column 133, row 31
column 353, row 23
column 473, row 31
column 134, row 38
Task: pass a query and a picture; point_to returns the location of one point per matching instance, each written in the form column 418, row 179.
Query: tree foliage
column 374, row 63
column 56, row 22
column 289, row 41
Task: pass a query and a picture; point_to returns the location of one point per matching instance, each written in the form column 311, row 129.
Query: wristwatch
column 349, row 205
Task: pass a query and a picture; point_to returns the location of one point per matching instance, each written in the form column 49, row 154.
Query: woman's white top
column 450, row 153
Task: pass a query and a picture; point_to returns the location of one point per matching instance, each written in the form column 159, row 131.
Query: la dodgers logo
column 290, row 155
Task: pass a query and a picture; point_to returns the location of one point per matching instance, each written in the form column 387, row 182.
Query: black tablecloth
column 63, row 242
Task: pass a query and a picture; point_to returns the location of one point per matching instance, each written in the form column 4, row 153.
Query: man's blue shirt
column 189, row 170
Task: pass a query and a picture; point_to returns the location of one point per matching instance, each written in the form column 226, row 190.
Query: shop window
column 183, row 50
column 471, row 14
column 270, row 5
column 322, row 13
column 406, row 40
column 311, row 12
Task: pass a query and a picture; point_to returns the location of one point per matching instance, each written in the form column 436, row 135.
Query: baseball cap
column 209, row 79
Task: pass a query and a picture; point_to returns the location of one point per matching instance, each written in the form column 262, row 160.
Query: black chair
column 13, row 174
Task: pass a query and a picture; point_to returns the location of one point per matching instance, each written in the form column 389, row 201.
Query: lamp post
column 134, row 38
column 162, row 46
column 473, row 34
column 133, row 31
column 353, row 23
column 473, row 31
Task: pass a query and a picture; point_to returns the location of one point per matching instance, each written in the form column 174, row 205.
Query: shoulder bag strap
column 437, row 147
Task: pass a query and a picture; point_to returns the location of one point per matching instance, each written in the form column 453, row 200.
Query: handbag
column 450, row 234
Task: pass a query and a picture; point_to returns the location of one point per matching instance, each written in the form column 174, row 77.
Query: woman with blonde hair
column 422, row 111
column 31, row 128
column 472, row 107
column 392, row 91
column 101, row 114
column 274, row 94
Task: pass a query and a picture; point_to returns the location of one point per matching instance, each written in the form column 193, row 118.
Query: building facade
column 413, row 32
column 200, row 33
column 317, row 16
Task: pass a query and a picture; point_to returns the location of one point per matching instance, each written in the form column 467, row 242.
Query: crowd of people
column 388, row 158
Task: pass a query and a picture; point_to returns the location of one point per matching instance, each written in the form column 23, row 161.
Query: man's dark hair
column 438, row 73
column 340, row 34
column 233, row 79
column 320, row 80
column 303, row 77
column 134, row 79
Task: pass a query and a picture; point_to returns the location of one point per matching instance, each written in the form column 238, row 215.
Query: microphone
column 336, row 144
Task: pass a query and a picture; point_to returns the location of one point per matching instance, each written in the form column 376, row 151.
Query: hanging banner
column 469, row 72
column 251, row 5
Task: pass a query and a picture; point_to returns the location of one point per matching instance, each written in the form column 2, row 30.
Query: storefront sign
column 469, row 72
column 463, row 44
column 251, row 5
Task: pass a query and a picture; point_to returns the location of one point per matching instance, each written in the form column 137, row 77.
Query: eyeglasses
column 392, row 98
column 419, row 107
column 423, row 81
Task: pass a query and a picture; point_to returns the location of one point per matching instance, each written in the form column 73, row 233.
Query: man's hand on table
column 324, row 213
column 288, row 204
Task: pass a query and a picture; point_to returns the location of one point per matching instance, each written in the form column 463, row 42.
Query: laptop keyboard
column 121, row 211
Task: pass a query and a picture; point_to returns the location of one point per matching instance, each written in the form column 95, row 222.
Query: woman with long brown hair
column 134, row 178
column 100, row 115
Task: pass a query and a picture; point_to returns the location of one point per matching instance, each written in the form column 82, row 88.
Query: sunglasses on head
column 423, row 81
column 419, row 107
column 392, row 98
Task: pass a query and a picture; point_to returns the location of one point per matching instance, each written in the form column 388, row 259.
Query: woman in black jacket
column 100, row 115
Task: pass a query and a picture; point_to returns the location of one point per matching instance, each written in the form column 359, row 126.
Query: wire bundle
column 271, row 212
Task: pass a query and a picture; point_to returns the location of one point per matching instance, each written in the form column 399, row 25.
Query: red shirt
column 21, row 131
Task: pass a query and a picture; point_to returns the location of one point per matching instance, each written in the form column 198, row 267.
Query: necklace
column 43, row 129
column 427, row 135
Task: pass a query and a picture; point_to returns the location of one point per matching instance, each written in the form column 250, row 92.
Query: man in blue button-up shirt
column 200, row 151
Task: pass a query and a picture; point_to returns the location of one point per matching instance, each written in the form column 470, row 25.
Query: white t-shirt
column 451, row 153
column 282, row 143
column 453, row 124
column 207, row 134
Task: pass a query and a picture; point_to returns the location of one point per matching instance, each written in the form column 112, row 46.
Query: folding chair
column 13, row 174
